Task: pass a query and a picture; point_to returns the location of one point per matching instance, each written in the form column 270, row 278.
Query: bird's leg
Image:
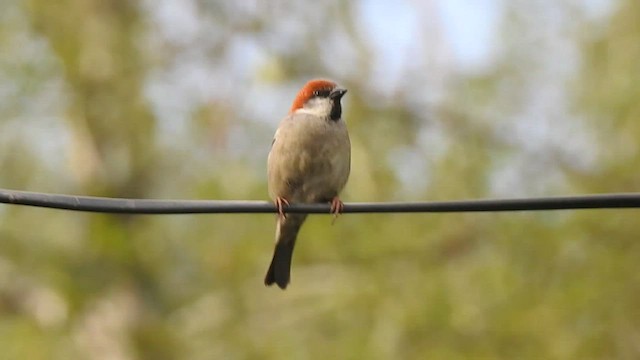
column 280, row 204
column 336, row 208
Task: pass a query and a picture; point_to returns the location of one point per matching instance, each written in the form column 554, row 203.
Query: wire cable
column 137, row 206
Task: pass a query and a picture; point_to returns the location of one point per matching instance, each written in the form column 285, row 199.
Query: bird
column 309, row 162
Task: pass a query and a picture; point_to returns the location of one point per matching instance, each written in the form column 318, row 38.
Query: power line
column 138, row 206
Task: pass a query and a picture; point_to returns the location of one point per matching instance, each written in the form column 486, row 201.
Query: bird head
column 321, row 98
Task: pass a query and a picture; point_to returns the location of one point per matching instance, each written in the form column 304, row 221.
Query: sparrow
column 309, row 162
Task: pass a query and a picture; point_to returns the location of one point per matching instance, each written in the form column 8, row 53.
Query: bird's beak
column 337, row 93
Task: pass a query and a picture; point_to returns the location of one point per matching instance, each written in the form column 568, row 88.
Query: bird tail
column 286, row 233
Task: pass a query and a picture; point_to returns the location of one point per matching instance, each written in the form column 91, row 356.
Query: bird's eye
column 321, row 93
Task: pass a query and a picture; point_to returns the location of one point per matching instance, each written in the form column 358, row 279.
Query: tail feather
column 279, row 271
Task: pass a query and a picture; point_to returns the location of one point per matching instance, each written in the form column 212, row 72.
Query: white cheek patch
column 317, row 111
column 317, row 106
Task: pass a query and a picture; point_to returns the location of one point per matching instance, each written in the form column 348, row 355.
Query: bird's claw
column 280, row 205
column 337, row 206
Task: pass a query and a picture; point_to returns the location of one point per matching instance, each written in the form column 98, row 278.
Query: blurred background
column 175, row 99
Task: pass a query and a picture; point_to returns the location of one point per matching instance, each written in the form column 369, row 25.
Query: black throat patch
column 336, row 110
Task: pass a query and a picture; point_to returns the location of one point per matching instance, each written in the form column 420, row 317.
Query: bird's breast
column 309, row 160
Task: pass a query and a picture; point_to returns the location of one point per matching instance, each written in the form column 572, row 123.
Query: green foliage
column 81, row 115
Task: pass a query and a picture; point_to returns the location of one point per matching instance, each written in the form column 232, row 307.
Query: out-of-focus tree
column 180, row 99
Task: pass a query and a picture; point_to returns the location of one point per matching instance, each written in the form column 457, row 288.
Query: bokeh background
column 175, row 99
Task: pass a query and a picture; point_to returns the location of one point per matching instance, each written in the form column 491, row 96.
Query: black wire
column 135, row 206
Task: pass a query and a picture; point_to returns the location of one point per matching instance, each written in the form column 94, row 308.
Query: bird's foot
column 337, row 206
column 281, row 203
